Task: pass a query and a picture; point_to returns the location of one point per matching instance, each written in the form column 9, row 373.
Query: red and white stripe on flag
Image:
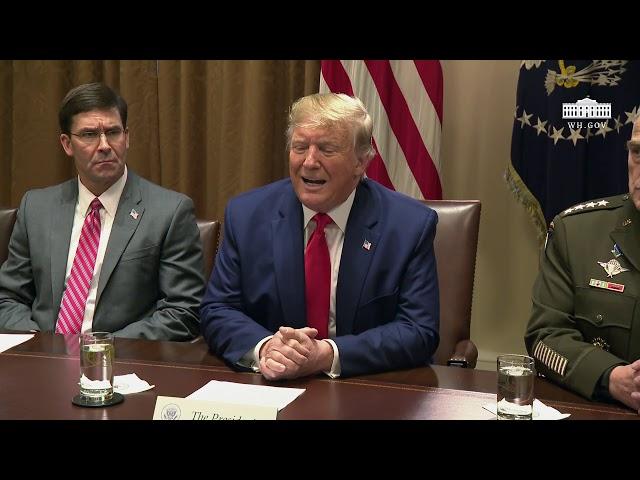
column 404, row 98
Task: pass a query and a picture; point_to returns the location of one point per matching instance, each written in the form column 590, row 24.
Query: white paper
column 241, row 393
column 130, row 383
column 10, row 340
column 540, row 411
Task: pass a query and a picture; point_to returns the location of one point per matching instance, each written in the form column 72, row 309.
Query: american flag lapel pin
column 366, row 245
column 134, row 214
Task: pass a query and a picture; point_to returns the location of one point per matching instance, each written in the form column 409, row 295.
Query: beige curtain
column 209, row 129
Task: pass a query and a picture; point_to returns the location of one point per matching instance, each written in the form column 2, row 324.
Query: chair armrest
column 465, row 355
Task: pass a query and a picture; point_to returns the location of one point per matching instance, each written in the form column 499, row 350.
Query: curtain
column 209, row 129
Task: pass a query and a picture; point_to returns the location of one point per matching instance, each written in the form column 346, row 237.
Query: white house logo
column 586, row 109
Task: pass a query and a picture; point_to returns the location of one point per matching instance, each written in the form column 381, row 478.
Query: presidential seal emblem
column 171, row 412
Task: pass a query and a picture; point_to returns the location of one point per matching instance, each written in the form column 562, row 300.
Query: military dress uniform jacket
column 585, row 317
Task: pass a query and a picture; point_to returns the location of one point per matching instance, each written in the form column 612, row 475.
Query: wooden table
column 38, row 379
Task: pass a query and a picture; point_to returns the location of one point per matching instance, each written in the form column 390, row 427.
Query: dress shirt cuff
column 335, row 365
column 251, row 359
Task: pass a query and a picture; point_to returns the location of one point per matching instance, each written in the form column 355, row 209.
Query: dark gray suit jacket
column 151, row 282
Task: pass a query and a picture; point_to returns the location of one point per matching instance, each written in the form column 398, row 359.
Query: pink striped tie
column 75, row 295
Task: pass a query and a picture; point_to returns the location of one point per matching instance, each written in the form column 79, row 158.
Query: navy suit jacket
column 387, row 301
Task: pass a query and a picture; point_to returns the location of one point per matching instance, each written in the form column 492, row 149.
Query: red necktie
column 75, row 295
column 317, row 277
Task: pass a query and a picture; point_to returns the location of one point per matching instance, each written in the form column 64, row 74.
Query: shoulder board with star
column 593, row 205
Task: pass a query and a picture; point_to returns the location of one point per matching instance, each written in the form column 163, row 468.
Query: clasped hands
column 624, row 384
column 294, row 353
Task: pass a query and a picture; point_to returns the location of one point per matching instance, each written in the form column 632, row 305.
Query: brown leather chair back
column 455, row 246
column 209, row 234
column 7, row 219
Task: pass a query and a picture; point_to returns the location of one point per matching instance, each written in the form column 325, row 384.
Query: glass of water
column 516, row 374
column 96, row 366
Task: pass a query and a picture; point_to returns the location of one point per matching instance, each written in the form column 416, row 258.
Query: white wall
column 479, row 104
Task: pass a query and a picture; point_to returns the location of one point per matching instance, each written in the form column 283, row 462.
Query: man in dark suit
column 326, row 271
column 107, row 251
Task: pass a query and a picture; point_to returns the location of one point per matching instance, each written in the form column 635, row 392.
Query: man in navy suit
column 380, row 299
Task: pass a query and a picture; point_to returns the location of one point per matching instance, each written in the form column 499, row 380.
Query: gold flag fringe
column 526, row 198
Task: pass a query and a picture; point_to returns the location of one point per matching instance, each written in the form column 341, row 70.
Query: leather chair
column 455, row 246
column 209, row 234
column 7, row 219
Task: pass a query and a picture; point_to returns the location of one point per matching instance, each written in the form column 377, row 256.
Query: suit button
column 599, row 318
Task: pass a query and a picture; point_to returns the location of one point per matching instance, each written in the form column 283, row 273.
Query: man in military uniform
column 584, row 330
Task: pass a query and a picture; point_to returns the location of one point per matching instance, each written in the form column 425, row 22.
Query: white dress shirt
column 334, row 233
column 109, row 199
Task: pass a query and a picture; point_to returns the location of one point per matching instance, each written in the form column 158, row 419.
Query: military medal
column 616, row 287
column 612, row 267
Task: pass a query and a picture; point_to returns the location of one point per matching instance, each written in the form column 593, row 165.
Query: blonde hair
column 327, row 110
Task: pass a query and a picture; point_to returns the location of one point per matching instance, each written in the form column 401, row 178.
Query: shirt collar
column 339, row 214
column 109, row 199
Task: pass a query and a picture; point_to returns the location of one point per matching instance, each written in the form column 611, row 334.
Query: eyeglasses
column 92, row 137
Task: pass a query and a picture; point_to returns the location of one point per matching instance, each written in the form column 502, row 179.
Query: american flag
column 404, row 98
